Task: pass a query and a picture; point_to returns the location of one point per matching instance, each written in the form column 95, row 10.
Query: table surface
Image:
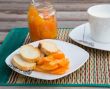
column 70, row 13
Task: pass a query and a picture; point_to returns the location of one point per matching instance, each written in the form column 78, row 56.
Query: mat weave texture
column 95, row 71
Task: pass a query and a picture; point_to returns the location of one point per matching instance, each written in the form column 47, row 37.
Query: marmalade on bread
column 48, row 60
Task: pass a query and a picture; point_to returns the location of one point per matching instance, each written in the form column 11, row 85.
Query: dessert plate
column 81, row 35
column 76, row 55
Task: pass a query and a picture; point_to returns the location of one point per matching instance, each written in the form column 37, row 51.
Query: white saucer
column 81, row 35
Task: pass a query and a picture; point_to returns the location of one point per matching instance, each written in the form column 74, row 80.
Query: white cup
column 99, row 19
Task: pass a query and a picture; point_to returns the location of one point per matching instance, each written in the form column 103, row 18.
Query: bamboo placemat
column 95, row 71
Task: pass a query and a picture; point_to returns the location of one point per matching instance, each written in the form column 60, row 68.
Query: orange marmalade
column 42, row 22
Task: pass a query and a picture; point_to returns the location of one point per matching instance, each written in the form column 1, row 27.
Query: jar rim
column 43, row 5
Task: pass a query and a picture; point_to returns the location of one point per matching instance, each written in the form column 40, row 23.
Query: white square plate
column 76, row 55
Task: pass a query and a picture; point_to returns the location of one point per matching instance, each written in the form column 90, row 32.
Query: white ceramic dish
column 81, row 35
column 77, row 57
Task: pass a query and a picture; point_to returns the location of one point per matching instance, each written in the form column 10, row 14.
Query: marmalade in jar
column 42, row 22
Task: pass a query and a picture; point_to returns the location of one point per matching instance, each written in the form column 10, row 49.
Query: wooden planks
column 81, row 1
column 12, row 17
column 2, row 36
column 6, row 26
column 70, row 24
column 61, row 16
column 72, row 16
column 73, row 6
column 23, row 7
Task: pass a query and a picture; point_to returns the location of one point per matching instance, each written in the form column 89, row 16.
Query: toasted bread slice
column 30, row 53
column 18, row 62
column 48, row 47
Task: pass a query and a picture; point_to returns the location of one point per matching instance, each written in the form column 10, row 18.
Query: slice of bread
column 30, row 53
column 18, row 62
column 48, row 47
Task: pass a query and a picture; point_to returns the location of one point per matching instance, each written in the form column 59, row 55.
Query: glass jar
column 42, row 21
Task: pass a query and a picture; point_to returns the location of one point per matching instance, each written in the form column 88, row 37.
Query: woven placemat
column 95, row 71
